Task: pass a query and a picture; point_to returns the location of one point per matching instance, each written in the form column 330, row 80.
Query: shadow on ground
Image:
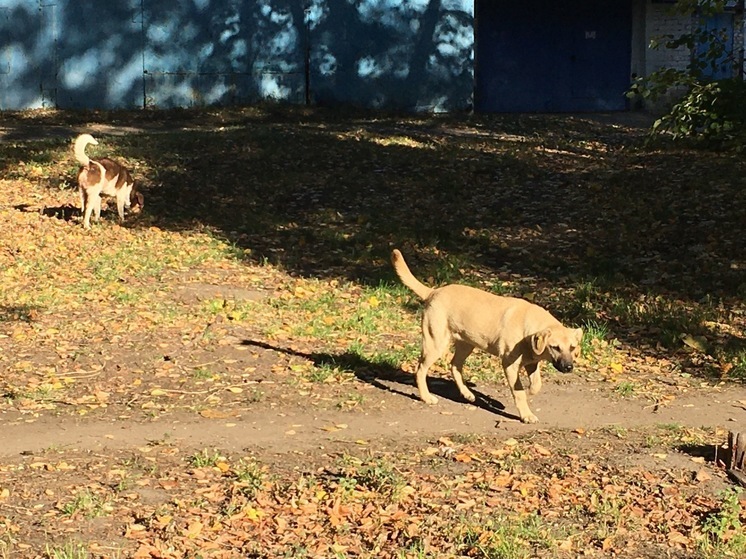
column 573, row 209
column 387, row 378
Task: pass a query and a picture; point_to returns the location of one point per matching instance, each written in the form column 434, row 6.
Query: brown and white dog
column 104, row 176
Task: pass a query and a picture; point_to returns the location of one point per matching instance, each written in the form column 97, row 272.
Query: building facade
column 414, row 55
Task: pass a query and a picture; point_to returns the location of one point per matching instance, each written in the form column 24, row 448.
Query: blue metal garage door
column 552, row 55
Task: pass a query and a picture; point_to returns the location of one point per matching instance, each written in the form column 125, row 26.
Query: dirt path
column 391, row 416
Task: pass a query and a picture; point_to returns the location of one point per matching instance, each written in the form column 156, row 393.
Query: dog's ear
column 578, row 333
column 136, row 198
column 540, row 340
column 578, row 338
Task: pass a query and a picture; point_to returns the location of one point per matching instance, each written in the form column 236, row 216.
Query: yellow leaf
column 235, row 389
column 616, row 367
column 158, row 392
column 4, row 493
column 373, row 301
column 698, row 343
column 222, row 466
column 194, row 529
column 211, row 413
column 253, row 514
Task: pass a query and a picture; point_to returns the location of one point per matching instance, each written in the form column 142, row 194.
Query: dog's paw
column 469, row 396
column 430, row 400
column 530, row 418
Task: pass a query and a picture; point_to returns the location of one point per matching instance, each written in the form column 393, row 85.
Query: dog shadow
column 386, row 378
column 65, row 212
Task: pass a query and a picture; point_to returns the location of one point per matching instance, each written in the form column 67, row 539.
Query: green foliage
column 723, row 529
column 706, row 109
column 712, row 111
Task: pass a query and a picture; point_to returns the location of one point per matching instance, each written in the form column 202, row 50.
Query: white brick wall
column 660, row 21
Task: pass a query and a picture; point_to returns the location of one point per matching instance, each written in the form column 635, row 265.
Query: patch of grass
column 389, row 358
column 70, row 550
column 724, row 533
column 250, row 477
column 666, row 318
column 202, row 373
column 416, row 550
column 326, row 372
column 379, row 476
column 351, row 401
column 333, row 310
column 205, row 458
column 594, row 334
column 738, row 365
column 585, row 301
column 607, row 513
column 616, row 430
column 382, row 477
column 625, row 388
column 503, row 537
column 85, row 503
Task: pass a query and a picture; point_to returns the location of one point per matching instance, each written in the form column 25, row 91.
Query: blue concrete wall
column 407, row 54
column 410, row 54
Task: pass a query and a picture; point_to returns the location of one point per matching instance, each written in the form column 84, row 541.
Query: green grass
column 205, row 458
column 506, row 537
column 70, row 550
column 250, row 477
column 724, row 533
column 594, row 333
column 625, row 389
column 87, row 504
column 378, row 475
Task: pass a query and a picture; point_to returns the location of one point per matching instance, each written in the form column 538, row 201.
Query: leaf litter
column 271, row 290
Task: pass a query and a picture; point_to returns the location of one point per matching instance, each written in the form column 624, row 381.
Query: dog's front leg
column 121, row 203
column 534, row 378
column 519, row 394
column 97, row 208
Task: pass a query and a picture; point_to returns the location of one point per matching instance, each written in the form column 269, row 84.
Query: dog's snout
column 563, row 366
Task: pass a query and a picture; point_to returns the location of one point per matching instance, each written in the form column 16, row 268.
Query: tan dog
column 520, row 333
column 103, row 176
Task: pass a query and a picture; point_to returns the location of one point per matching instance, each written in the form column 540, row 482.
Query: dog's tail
column 402, row 270
column 80, row 144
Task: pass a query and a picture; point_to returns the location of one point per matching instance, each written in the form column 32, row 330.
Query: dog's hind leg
column 90, row 205
column 462, row 350
column 435, row 342
column 519, row 394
